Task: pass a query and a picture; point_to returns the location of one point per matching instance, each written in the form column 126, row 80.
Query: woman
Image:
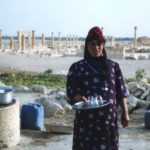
column 95, row 75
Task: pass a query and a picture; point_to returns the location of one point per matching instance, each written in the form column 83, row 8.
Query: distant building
column 144, row 41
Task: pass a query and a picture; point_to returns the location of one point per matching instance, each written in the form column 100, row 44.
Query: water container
column 32, row 116
column 147, row 119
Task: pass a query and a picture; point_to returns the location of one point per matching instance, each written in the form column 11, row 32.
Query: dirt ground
column 134, row 137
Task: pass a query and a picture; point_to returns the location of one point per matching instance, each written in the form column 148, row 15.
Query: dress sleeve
column 121, row 91
column 73, row 83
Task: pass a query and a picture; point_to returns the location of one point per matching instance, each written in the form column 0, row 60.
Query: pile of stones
column 139, row 95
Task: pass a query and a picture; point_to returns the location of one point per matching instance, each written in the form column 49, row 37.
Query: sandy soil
column 60, row 65
column 134, row 137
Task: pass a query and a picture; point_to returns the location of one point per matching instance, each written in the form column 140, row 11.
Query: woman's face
column 95, row 48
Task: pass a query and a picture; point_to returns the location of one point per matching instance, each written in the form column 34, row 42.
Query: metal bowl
column 6, row 95
column 83, row 105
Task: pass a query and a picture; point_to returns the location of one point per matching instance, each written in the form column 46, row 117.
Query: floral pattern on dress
column 96, row 129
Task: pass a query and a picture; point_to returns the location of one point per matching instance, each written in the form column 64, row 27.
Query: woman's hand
column 124, row 116
column 125, row 119
column 79, row 98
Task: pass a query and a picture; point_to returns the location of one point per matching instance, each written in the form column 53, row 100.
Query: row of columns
column 22, row 41
column 111, row 41
column 71, row 40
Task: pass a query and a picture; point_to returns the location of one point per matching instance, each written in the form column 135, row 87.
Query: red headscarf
column 95, row 33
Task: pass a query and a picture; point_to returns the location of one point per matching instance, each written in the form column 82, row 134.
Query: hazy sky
column 118, row 17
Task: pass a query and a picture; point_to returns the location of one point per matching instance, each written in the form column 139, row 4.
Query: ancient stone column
column 124, row 52
column 33, row 39
column 59, row 40
column 43, row 39
column 70, row 40
column 52, row 39
column 66, row 40
column 135, row 38
column 29, row 41
column 112, row 41
column 73, row 42
column 23, row 42
column 76, row 40
column 11, row 43
column 19, row 40
column 102, row 29
column 0, row 39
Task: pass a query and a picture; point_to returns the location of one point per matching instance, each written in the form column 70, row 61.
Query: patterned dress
column 96, row 129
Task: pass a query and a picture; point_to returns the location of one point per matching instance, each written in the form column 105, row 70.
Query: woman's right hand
column 79, row 98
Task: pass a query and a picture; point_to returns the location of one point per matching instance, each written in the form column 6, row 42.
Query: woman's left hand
column 125, row 119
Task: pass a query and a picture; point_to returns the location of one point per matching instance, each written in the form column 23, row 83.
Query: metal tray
column 83, row 105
